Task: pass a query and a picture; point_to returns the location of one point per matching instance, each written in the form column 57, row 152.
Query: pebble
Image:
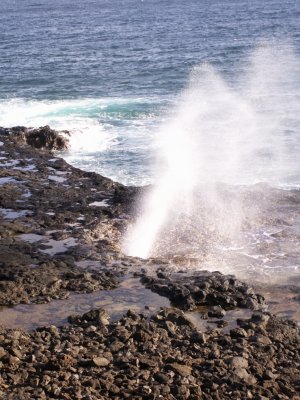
column 100, row 361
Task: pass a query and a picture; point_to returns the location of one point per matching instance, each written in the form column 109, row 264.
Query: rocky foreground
column 60, row 230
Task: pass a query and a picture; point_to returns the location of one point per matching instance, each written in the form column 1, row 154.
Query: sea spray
column 221, row 133
column 111, row 136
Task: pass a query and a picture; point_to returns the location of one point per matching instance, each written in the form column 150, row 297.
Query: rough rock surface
column 60, row 230
column 40, row 138
column 141, row 358
column 203, row 288
column 48, row 224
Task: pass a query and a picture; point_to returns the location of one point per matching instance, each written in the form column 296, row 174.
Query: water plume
column 221, row 134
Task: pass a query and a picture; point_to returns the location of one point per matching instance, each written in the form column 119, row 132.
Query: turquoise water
column 113, row 73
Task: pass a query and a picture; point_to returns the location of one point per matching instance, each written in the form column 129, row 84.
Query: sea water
column 111, row 71
column 186, row 95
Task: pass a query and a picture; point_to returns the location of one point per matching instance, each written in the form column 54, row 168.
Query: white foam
column 96, row 126
column 88, row 135
column 1, row 143
column 102, row 203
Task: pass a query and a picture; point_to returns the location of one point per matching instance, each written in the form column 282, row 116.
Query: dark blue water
column 109, row 70
column 97, row 48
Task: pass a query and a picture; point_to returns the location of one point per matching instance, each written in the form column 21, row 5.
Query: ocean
column 113, row 72
column 168, row 92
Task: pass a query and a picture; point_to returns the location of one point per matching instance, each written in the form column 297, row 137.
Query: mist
column 222, row 134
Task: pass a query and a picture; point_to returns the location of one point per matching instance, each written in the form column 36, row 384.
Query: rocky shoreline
column 59, row 234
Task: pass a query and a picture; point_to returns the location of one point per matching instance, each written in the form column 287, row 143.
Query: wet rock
column 189, row 291
column 161, row 378
column 40, row 138
column 216, row 312
column 199, row 337
column 260, row 318
column 98, row 317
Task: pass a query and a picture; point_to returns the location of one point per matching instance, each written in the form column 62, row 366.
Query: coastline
column 60, row 233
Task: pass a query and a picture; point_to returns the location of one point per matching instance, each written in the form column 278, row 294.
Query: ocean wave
column 36, row 112
column 111, row 136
